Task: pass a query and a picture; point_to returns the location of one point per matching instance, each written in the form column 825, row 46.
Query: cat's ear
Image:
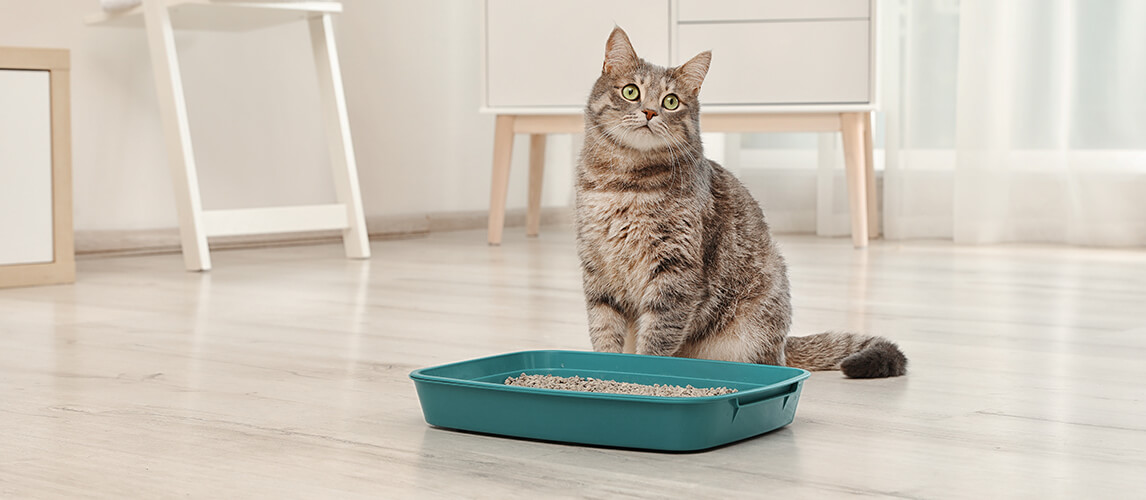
column 691, row 74
column 620, row 58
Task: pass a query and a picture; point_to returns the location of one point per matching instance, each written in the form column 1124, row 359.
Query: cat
column 676, row 256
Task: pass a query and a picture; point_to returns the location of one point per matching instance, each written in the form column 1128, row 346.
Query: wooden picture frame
column 62, row 268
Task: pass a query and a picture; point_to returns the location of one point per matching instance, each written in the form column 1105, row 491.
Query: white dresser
column 777, row 66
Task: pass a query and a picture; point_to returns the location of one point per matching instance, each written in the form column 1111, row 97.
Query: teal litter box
column 471, row 396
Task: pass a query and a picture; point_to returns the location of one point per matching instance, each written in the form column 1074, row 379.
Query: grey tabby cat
column 676, row 256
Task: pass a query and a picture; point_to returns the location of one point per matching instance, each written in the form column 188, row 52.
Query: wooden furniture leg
column 873, row 222
column 536, row 173
column 355, row 239
column 855, row 159
column 63, row 230
column 180, row 156
column 499, row 187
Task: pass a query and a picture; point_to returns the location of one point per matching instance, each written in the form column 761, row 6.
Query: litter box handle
column 738, row 403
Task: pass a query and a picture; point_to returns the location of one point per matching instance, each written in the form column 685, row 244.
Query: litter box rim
column 743, row 397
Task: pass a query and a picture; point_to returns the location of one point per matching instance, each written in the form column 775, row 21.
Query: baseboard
column 161, row 241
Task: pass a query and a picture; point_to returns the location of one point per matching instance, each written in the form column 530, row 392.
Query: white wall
column 411, row 76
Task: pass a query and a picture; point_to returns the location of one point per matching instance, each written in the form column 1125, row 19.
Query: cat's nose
column 649, row 114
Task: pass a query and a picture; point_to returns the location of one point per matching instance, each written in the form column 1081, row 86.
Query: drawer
column 548, row 54
column 765, row 10
column 814, row 62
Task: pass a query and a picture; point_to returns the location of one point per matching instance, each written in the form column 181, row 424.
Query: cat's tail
column 858, row 356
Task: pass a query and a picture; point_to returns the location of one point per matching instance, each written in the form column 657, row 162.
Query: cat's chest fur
column 623, row 236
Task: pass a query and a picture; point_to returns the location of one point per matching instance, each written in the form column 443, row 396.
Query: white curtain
column 1016, row 120
column 1001, row 121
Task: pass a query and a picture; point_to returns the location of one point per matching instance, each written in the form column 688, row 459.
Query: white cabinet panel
column 756, row 10
column 548, row 54
column 25, row 167
column 811, row 62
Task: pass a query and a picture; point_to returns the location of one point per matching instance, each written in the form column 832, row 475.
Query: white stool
column 161, row 18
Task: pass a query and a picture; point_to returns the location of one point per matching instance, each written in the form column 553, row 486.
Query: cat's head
column 644, row 106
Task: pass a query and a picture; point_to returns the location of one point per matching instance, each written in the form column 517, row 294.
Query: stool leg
column 355, row 239
column 851, row 126
column 177, row 134
column 873, row 222
column 499, row 187
column 536, row 172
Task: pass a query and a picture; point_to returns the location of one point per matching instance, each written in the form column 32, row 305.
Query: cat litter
column 576, row 383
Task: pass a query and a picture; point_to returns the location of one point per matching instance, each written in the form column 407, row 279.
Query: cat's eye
column 630, row 92
column 670, row 102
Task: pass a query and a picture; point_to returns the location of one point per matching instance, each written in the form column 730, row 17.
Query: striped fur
column 676, row 255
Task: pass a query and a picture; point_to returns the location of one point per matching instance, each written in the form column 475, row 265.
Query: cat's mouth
column 642, row 138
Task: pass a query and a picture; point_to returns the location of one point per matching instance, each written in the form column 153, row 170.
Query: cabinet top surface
column 34, row 58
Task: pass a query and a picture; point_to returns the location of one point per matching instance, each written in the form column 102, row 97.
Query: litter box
column 471, row 396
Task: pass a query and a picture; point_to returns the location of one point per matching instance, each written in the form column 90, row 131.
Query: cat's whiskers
column 620, row 131
column 674, row 144
column 597, row 146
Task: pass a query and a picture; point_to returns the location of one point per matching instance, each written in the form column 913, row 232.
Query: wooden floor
column 283, row 373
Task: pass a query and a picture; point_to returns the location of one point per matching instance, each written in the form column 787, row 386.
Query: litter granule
column 612, row 386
